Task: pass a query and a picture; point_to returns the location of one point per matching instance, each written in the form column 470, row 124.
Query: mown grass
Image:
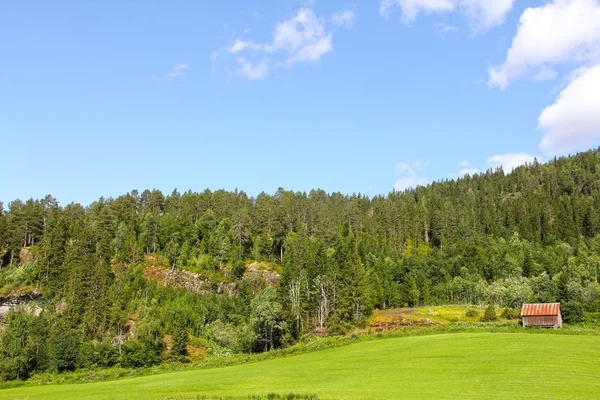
column 448, row 366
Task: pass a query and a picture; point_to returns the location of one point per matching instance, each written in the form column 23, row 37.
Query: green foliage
column 240, row 338
column 16, row 349
column 490, row 314
column 94, row 354
column 135, row 354
column 472, row 313
column 65, row 350
column 17, row 278
column 510, row 314
column 266, row 317
column 125, row 267
column 573, row 312
column 179, row 339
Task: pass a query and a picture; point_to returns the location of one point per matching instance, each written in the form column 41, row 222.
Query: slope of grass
column 450, row 366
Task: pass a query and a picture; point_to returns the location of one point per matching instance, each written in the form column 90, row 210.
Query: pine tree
column 179, row 339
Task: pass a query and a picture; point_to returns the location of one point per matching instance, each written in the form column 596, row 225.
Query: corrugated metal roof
column 530, row 310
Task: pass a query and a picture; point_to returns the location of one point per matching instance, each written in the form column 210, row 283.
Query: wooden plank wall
column 544, row 321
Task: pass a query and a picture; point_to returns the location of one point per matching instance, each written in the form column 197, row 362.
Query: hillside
column 146, row 279
column 454, row 366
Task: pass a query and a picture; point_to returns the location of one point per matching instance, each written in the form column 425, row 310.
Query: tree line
column 504, row 239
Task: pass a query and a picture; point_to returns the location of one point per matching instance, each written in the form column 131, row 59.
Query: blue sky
column 99, row 98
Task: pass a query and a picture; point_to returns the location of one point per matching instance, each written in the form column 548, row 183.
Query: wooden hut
column 546, row 315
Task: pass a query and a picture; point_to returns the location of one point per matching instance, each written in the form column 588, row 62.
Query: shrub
column 65, row 350
column 136, row 354
column 490, row 314
column 509, row 313
column 239, row 268
column 472, row 313
column 96, row 354
column 239, row 338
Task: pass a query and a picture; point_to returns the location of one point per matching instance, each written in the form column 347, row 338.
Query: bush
column 472, row 313
column 573, row 312
column 239, row 268
column 65, row 351
column 96, row 354
column 490, row 314
column 136, row 354
column 14, row 277
column 238, row 338
column 510, row 313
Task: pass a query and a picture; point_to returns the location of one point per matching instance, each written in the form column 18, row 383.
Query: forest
column 493, row 238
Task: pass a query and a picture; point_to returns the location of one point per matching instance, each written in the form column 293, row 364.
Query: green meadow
column 446, row 366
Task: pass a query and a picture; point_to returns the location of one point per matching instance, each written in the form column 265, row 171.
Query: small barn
column 544, row 315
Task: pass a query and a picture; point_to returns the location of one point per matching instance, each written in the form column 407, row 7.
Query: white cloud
column 444, row 28
column 510, row 161
column 468, row 171
column 303, row 29
column 482, row 14
column 545, row 74
column 573, row 121
column 252, row 72
column 553, row 33
column 312, row 52
column 240, row 45
column 301, row 38
column 408, row 176
column 486, row 14
column 177, row 72
column 411, row 8
column 344, row 19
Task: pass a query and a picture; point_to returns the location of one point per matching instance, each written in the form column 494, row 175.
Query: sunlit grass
column 448, row 366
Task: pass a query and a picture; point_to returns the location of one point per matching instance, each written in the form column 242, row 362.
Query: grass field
column 448, row 366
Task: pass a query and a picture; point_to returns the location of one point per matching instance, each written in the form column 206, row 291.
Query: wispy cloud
column 443, row 28
column 252, row 72
column 408, row 176
column 344, row 19
column 178, row 72
column 482, row 14
column 510, row 161
column 302, row 38
column 467, row 169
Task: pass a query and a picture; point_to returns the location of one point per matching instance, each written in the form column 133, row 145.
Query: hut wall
column 547, row 321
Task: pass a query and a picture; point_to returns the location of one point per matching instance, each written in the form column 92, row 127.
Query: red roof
column 536, row 310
